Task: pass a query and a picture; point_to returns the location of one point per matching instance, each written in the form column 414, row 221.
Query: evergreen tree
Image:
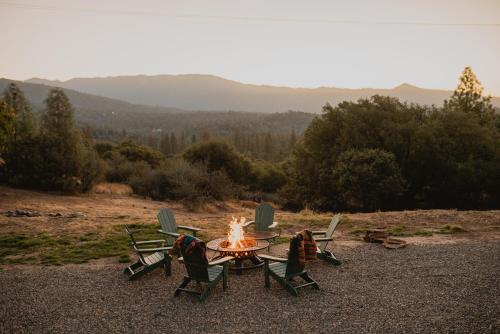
column 293, row 139
column 468, row 96
column 7, row 124
column 63, row 149
column 173, row 143
column 165, row 147
column 24, row 120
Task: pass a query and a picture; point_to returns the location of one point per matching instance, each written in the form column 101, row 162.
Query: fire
column 236, row 235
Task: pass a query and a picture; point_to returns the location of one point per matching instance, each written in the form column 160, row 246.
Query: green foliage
column 7, row 125
column 447, row 158
column 120, row 169
column 218, row 156
column 134, row 152
column 468, row 96
column 367, row 179
column 178, row 180
column 269, row 177
column 59, row 157
column 24, row 119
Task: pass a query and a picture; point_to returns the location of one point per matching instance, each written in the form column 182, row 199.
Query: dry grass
column 103, row 212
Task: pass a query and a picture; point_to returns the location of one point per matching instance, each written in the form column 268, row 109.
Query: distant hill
column 207, row 92
column 107, row 113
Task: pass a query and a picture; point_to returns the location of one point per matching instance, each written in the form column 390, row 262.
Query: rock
column 21, row 213
column 76, row 215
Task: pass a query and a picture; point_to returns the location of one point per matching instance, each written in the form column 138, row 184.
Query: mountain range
column 212, row 93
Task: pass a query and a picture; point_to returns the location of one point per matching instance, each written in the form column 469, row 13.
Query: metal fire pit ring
column 241, row 254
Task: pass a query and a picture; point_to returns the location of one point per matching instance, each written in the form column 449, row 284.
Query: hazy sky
column 372, row 43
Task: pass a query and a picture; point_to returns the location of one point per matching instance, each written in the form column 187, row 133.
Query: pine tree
column 173, row 143
column 24, row 120
column 165, row 147
column 7, row 125
column 63, row 149
column 468, row 96
column 293, row 139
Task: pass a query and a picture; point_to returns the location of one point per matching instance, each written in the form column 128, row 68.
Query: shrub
column 134, row 152
column 119, row 169
column 367, row 179
column 218, row 156
column 178, row 180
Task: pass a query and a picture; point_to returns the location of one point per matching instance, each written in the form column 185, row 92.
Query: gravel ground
column 419, row 289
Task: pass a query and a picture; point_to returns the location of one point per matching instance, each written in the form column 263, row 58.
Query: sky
column 349, row 44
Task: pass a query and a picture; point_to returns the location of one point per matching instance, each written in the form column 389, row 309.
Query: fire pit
column 241, row 248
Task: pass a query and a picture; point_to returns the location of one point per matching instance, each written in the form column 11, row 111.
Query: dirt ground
column 111, row 205
column 446, row 280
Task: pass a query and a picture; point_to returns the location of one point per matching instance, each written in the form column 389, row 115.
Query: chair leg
column 185, row 282
column 267, row 284
column 225, row 276
column 167, row 265
column 308, row 279
column 330, row 257
column 287, row 285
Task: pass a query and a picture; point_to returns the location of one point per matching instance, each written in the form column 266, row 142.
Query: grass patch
column 399, row 232
column 282, row 240
column 451, row 229
column 423, row 233
column 46, row 249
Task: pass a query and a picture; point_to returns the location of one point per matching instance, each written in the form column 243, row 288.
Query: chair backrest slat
column 264, row 216
column 329, row 232
column 134, row 244
column 167, row 220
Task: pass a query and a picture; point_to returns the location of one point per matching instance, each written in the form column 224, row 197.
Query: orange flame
column 236, row 235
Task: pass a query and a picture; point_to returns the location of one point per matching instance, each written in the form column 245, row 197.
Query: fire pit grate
column 246, row 250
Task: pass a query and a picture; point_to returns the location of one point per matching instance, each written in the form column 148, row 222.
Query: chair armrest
column 318, row 232
column 272, row 258
column 220, row 261
column 152, row 250
column 170, row 234
column 250, row 222
column 323, row 239
column 189, row 228
column 148, row 242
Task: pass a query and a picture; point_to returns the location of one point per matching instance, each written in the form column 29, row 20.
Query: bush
column 220, row 157
column 120, row 169
column 178, row 180
column 134, row 152
column 367, row 180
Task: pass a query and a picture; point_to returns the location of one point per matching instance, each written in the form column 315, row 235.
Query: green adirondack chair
column 206, row 272
column 169, row 227
column 284, row 271
column 324, row 238
column 263, row 224
column 158, row 256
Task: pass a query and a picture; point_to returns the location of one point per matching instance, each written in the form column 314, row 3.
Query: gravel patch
column 418, row 289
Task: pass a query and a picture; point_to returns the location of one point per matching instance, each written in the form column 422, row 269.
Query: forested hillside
column 208, row 92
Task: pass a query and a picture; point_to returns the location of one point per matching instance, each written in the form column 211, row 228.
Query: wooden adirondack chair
column 283, row 271
column 324, row 238
column 158, row 256
column 203, row 272
column 169, row 227
column 264, row 223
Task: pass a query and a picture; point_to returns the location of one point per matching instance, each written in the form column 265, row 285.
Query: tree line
column 373, row 154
